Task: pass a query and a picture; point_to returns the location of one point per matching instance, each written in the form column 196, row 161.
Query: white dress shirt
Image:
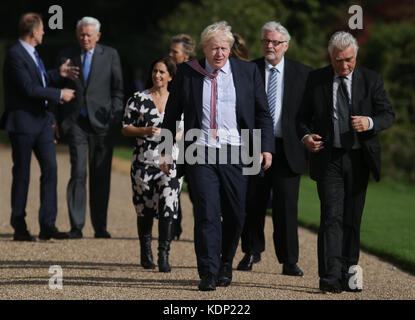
column 227, row 126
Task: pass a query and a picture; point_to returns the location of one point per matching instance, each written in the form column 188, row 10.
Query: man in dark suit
column 285, row 81
column 221, row 97
column 344, row 108
column 29, row 123
column 87, row 124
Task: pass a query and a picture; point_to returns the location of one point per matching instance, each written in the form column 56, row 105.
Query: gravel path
column 109, row 268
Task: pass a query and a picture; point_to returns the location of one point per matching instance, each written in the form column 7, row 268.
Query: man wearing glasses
column 284, row 81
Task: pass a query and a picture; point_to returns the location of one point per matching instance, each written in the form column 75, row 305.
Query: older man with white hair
column 284, row 81
column 344, row 108
column 220, row 96
column 87, row 123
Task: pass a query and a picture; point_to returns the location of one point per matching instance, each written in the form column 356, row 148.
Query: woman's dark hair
column 171, row 68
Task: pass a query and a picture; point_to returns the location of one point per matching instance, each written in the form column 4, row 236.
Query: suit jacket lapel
column 197, row 88
column 261, row 66
column 328, row 89
column 96, row 61
column 76, row 59
column 29, row 59
column 289, row 84
column 357, row 90
column 237, row 79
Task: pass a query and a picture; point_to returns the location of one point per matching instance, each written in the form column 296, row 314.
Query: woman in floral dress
column 154, row 193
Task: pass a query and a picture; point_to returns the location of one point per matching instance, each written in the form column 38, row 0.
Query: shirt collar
column 279, row 66
column 90, row 51
column 27, row 46
column 348, row 77
column 225, row 69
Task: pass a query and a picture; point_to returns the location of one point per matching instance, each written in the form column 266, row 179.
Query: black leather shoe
column 75, row 234
column 332, row 286
column 225, row 275
column 49, row 233
column 207, row 283
column 248, row 260
column 291, row 270
column 23, row 236
column 103, row 235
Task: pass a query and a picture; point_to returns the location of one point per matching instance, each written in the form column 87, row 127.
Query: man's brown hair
column 28, row 22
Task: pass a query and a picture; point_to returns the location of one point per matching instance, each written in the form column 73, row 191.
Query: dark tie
column 41, row 66
column 343, row 113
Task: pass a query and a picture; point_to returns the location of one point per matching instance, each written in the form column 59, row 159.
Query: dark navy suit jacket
column 24, row 94
column 252, row 109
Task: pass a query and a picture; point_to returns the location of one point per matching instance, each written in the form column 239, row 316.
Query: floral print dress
column 154, row 193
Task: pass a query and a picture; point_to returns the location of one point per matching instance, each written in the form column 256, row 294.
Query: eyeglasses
column 275, row 43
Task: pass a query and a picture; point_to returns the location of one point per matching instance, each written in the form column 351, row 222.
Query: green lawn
column 388, row 223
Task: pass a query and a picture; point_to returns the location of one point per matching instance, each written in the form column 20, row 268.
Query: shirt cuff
column 371, row 125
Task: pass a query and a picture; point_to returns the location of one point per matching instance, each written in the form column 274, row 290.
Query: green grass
column 388, row 223
column 123, row 153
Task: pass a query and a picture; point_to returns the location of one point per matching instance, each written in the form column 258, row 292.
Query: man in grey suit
column 87, row 123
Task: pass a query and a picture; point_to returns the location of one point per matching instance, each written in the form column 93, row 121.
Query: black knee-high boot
column 177, row 224
column 144, row 227
column 165, row 237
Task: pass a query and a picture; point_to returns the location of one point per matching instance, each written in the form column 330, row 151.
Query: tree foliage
column 386, row 47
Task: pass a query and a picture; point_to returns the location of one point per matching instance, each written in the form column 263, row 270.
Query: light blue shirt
column 280, row 93
column 83, row 55
column 226, row 109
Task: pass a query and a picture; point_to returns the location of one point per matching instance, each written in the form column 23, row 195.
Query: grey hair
column 87, row 21
column 213, row 29
column 342, row 40
column 187, row 43
column 275, row 26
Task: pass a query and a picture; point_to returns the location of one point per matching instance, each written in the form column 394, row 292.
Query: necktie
column 272, row 93
column 196, row 66
column 86, row 68
column 41, row 67
column 343, row 113
column 213, row 110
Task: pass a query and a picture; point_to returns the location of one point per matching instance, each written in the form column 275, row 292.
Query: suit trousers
column 342, row 193
column 92, row 150
column 285, row 185
column 44, row 149
column 219, row 192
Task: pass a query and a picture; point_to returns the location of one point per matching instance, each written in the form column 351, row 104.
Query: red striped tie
column 213, row 110
column 197, row 67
